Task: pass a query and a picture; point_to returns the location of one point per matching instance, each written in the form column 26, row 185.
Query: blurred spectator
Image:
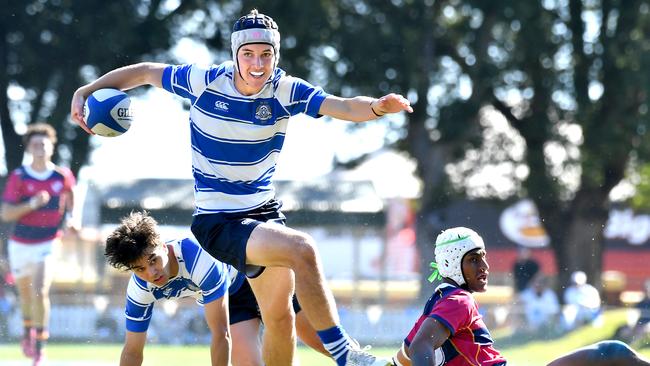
column 524, row 268
column 197, row 331
column 541, row 305
column 582, row 302
column 644, row 307
column 640, row 328
column 7, row 298
column 106, row 326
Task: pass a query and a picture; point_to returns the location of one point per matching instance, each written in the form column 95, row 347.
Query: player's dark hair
column 39, row 128
column 129, row 241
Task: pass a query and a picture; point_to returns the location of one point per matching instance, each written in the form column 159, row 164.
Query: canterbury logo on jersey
column 221, row 105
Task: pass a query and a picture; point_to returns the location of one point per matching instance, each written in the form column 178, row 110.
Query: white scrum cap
column 451, row 246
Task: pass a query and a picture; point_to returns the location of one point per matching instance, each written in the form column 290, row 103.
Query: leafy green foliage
column 49, row 48
column 571, row 77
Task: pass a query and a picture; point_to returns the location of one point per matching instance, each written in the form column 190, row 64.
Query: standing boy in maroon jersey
column 37, row 197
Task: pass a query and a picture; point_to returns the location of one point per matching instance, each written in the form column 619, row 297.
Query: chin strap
column 435, row 275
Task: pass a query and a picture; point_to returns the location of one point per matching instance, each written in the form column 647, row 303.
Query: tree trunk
column 12, row 141
column 578, row 241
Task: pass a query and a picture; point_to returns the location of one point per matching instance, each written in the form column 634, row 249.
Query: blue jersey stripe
column 212, row 184
column 188, row 82
column 482, row 336
column 233, row 140
column 190, row 254
column 449, row 350
column 139, row 304
column 237, row 153
column 53, row 204
column 236, row 283
column 166, row 79
column 24, row 231
column 140, row 282
column 243, row 111
column 206, row 275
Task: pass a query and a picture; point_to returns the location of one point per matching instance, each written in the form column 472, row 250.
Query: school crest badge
column 263, row 111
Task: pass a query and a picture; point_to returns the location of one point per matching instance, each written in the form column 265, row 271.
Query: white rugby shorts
column 24, row 258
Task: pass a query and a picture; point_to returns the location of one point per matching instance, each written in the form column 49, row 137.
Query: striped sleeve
column 188, row 80
column 236, row 279
column 299, row 96
column 208, row 273
column 139, row 306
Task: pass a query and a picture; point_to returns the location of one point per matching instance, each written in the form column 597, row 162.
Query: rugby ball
column 108, row 112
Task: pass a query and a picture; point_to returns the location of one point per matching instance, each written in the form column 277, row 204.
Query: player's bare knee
column 278, row 320
column 305, row 254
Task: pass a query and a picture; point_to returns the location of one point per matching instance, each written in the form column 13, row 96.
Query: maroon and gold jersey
column 44, row 223
column 470, row 342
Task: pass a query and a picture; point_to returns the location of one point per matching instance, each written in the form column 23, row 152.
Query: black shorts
column 225, row 235
column 242, row 305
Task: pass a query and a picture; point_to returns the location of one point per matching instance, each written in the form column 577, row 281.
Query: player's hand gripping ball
column 108, row 112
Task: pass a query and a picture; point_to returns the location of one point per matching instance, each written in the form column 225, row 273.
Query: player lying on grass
column 181, row 268
column 451, row 330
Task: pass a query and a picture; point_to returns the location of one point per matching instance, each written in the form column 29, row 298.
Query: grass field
column 517, row 351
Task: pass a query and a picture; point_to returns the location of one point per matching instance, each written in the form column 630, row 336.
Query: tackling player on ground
column 181, row 268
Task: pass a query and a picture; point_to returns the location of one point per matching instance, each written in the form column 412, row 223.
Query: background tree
column 49, row 48
column 570, row 77
column 586, row 119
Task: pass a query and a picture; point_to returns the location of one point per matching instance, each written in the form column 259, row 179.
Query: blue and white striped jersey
column 236, row 139
column 199, row 276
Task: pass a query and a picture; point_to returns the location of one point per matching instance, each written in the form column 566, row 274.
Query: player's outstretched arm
column 360, row 109
column 431, row 335
column 216, row 315
column 124, row 78
column 132, row 353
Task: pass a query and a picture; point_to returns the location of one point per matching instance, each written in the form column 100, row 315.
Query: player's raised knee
column 304, row 250
column 278, row 319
